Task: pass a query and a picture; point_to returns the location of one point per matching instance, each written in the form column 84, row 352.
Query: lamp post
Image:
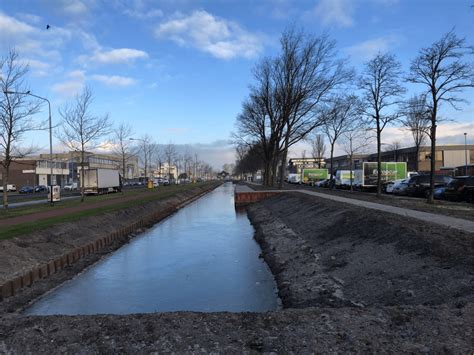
column 465, row 152
column 50, row 137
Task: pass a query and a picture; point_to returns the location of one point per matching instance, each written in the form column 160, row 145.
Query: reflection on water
column 203, row 258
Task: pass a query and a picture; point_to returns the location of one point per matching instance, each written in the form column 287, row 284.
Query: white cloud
column 335, row 12
column 143, row 15
column 221, row 38
column 72, row 86
column 115, row 56
column 114, row 80
column 368, row 49
column 72, row 8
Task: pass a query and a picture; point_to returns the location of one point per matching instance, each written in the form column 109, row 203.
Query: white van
column 10, row 188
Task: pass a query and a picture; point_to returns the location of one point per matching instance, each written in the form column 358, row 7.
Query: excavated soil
column 350, row 279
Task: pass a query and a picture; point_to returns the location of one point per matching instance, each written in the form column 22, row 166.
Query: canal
column 202, row 258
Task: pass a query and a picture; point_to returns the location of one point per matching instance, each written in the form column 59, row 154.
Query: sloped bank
column 325, row 253
column 31, row 264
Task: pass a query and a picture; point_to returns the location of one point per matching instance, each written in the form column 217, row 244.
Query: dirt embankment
column 344, row 255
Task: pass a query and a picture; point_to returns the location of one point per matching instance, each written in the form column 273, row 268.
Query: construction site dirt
column 350, row 279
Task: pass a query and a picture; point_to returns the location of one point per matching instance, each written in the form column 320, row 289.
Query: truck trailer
column 311, row 176
column 101, row 181
column 391, row 171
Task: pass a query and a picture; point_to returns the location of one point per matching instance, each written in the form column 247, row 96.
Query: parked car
column 41, row 188
column 26, row 190
column 389, row 186
column 70, row 187
column 439, row 193
column 419, row 185
column 400, row 188
column 460, row 189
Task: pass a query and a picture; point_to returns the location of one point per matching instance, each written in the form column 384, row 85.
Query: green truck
column 391, row 171
column 311, row 176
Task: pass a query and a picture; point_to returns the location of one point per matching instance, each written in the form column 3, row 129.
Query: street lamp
column 465, row 151
column 50, row 136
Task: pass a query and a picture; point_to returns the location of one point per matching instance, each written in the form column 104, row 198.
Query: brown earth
column 351, row 280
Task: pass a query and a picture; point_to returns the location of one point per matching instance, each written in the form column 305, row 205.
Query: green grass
column 148, row 195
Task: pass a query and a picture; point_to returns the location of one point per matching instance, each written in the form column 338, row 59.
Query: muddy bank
column 365, row 258
column 21, row 254
column 303, row 331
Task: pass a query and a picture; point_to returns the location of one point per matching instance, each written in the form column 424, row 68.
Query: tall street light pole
column 50, row 137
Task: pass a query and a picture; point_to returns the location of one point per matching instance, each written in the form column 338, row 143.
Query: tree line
column 306, row 92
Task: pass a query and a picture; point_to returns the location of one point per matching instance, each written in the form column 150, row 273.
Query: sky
column 179, row 70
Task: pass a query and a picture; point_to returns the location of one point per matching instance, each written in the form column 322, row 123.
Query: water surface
column 202, row 258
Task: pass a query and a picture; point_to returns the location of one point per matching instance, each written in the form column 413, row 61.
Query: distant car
column 166, row 182
column 26, row 190
column 41, row 188
column 70, row 187
column 460, row 189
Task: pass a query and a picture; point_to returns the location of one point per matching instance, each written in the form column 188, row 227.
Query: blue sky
column 179, row 69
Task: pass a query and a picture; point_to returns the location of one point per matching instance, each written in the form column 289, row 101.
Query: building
column 165, row 171
column 296, row 165
column 36, row 170
column 447, row 157
column 96, row 160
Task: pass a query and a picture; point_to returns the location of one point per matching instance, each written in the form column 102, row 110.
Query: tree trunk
column 6, row 170
column 432, row 163
column 417, row 158
column 283, row 162
column 331, row 178
column 82, row 175
column 379, row 161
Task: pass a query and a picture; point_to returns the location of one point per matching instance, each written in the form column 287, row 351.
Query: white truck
column 294, row 178
column 101, row 181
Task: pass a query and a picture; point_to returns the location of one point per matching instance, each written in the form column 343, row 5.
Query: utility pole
column 465, row 152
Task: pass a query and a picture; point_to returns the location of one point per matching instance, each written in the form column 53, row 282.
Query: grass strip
column 29, row 227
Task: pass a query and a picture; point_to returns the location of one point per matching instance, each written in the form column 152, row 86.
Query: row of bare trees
column 305, row 91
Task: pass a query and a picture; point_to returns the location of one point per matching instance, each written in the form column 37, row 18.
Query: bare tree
column 147, row 148
column 318, row 146
column 123, row 145
column 441, row 70
column 395, row 146
column 16, row 115
column 170, row 156
column 82, row 130
column 340, row 117
column 381, row 93
column 355, row 142
column 417, row 121
column 306, row 73
column 283, row 104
